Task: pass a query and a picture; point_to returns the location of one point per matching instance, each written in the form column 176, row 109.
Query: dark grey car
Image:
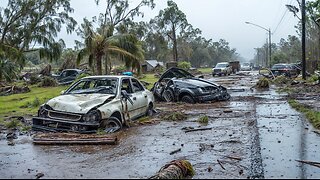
column 179, row 85
column 67, row 76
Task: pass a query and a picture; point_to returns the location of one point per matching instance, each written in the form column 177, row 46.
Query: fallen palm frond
column 177, row 169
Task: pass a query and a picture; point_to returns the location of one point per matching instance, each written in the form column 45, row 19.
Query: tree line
column 29, row 31
column 289, row 50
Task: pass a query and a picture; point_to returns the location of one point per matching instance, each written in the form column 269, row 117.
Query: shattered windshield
column 88, row 86
column 221, row 65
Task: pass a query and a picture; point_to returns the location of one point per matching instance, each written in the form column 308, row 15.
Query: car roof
column 107, row 76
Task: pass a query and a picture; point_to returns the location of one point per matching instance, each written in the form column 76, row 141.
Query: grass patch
column 311, row 115
column 150, row 78
column 27, row 103
column 205, row 70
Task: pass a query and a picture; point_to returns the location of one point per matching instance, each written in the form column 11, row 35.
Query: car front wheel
column 150, row 110
column 111, row 124
column 187, row 99
column 168, row 95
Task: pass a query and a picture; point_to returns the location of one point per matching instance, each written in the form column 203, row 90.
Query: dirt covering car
column 179, row 85
column 95, row 102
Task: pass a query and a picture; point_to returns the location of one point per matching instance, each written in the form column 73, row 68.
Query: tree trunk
column 99, row 65
column 177, row 169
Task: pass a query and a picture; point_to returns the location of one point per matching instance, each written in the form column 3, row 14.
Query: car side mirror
column 62, row 92
column 126, row 96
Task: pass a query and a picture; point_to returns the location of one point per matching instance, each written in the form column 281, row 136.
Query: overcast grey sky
column 217, row 19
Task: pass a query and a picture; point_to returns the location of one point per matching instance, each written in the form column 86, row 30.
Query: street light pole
column 269, row 31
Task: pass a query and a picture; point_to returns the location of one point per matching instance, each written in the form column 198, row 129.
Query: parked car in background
column 284, row 69
column 297, row 67
column 176, row 85
column 246, row 67
column 222, row 68
column 67, row 76
column 104, row 102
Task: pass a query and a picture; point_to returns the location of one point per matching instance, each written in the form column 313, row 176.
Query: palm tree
column 103, row 45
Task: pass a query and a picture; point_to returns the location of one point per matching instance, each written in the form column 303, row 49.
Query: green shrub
column 184, row 65
column 203, row 119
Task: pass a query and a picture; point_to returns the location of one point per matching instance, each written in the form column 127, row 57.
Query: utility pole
column 303, row 38
column 269, row 32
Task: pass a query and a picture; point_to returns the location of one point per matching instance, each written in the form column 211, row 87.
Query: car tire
column 150, row 110
column 112, row 124
column 168, row 95
column 224, row 97
column 187, row 99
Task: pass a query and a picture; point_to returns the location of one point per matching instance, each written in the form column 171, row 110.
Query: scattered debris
column 233, row 157
column 39, row 175
column 175, row 151
column 221, row 164
column 200, row 129
column 5, row 91
column 177, row 169
column 227, row 111
column 262, row 83
column 72, row 138
column 175, row 116
column 312, row 163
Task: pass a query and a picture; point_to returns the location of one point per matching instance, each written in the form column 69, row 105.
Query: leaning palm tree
column 103, row 45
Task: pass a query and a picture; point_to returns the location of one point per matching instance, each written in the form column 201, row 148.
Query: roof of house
column 154, row 63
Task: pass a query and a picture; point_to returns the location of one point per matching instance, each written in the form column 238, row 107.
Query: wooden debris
column 232, row 157
column 312, row 163
column 72, row 139
column 175, row 151
column 177, row 169
column 221, row 164
column 200, row 129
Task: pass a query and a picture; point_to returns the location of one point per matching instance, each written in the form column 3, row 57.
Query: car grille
column 217, row 70
column 63, row 115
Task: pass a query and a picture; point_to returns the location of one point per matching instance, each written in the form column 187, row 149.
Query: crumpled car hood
column 77, row 103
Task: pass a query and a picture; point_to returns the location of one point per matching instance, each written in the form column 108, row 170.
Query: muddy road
column 256, row 134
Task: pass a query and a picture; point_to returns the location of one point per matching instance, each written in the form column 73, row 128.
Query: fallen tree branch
column 312, row 163
column 232, row 157
column 221, row 164
column 175, row 151
column 177, row 169
column 200, row 129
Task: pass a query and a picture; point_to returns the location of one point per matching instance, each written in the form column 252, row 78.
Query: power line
column 285, row 12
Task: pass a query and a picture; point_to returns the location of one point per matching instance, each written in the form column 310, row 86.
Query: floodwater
column 254, row 135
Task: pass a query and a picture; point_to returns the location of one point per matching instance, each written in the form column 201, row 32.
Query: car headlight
column 92, row 116
column 43, row 111
column 201, row 90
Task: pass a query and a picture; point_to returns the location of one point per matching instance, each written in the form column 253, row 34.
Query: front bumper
column 55, row 125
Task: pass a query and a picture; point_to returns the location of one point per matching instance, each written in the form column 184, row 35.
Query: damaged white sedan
column 95, row 102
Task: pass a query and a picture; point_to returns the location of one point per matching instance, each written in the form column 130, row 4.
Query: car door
column 129, row 108
column 140, row 98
